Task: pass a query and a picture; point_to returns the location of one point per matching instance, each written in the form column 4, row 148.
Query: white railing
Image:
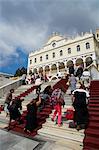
column 12, row 85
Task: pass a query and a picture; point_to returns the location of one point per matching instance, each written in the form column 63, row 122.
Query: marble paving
column 9, row 141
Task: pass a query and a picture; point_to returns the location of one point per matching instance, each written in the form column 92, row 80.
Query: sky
column 25, row 25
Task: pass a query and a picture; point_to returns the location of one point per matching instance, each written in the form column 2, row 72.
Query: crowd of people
column 13, row 107
column 31, row 78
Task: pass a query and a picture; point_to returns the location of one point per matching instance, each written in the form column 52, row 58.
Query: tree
column 23, row 71
column 20, row 71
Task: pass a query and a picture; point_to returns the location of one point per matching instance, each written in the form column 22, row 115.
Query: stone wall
column 14, row 84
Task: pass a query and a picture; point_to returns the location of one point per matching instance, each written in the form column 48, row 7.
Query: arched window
column 69, row 50
column 35, row 60
column 53, row 55
column 54, row 44
column 61, row 52
column 30, row 61
column 47, row 57
column 41, row 58
column 87, row 45
column 78, row 48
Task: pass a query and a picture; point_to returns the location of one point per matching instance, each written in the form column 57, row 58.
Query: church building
column 60, row 53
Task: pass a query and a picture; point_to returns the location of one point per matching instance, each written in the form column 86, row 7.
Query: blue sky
column 16, row 63
column 25, row 25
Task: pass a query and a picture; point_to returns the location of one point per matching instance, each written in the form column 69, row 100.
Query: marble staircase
column 3, row 119
column 71, row 137
column 63, row 138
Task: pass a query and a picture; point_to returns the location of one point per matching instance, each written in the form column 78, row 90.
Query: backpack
column 57, row 97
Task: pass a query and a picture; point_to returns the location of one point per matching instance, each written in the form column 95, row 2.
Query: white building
column 59, row 53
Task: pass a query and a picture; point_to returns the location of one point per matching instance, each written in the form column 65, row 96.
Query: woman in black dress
column 14, row 112
column 31, row 118
column 80, row 106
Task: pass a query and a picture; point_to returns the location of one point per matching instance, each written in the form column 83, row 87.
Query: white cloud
column 26, row 37
column 27, row 24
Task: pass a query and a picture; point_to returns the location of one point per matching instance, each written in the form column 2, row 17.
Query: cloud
column 27, row 24
column 12, row 37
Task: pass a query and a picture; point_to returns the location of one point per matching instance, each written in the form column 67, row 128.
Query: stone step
column 64, row 127
column 2, row 100
column 62, row 145
column 68, row 104
column 57, row 132
column 2, row 125
column 25, row 86
column 3, row 120
column 10, row 141
column 67, row 95
column 68, row 145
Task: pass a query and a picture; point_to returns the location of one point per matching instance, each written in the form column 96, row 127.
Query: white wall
column 94, row 73
column 62, row 45
column 13, row 85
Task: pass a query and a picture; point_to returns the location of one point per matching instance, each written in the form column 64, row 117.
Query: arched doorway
column 47, row 69
column 88, row 61
column 61, row 67
column 79, row 62
column 54, row 69
column 40, row 70
column 70, row 66
column 35, row 70
column 70, row 63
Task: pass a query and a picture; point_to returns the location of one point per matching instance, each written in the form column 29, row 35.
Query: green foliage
column 20, row 71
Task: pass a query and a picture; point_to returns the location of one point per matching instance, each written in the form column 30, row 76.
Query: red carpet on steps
column 91, row 139
column 61, row 84
column 41, row 116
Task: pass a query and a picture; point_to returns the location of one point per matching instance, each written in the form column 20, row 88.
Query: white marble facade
column 59, row 53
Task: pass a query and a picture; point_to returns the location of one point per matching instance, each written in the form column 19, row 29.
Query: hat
column 34, row 96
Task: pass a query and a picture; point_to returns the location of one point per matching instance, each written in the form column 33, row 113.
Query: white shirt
column 81, row 90
column 86, row 73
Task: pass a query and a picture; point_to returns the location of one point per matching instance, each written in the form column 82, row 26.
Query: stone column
column 84, row 61
column 50, row 70
column 84, row 64
column 74, row 62
column 94, row 62
column 94, row 59
column 65, row 62
column 37, row 70
column 57, row 67
column 43, row 69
